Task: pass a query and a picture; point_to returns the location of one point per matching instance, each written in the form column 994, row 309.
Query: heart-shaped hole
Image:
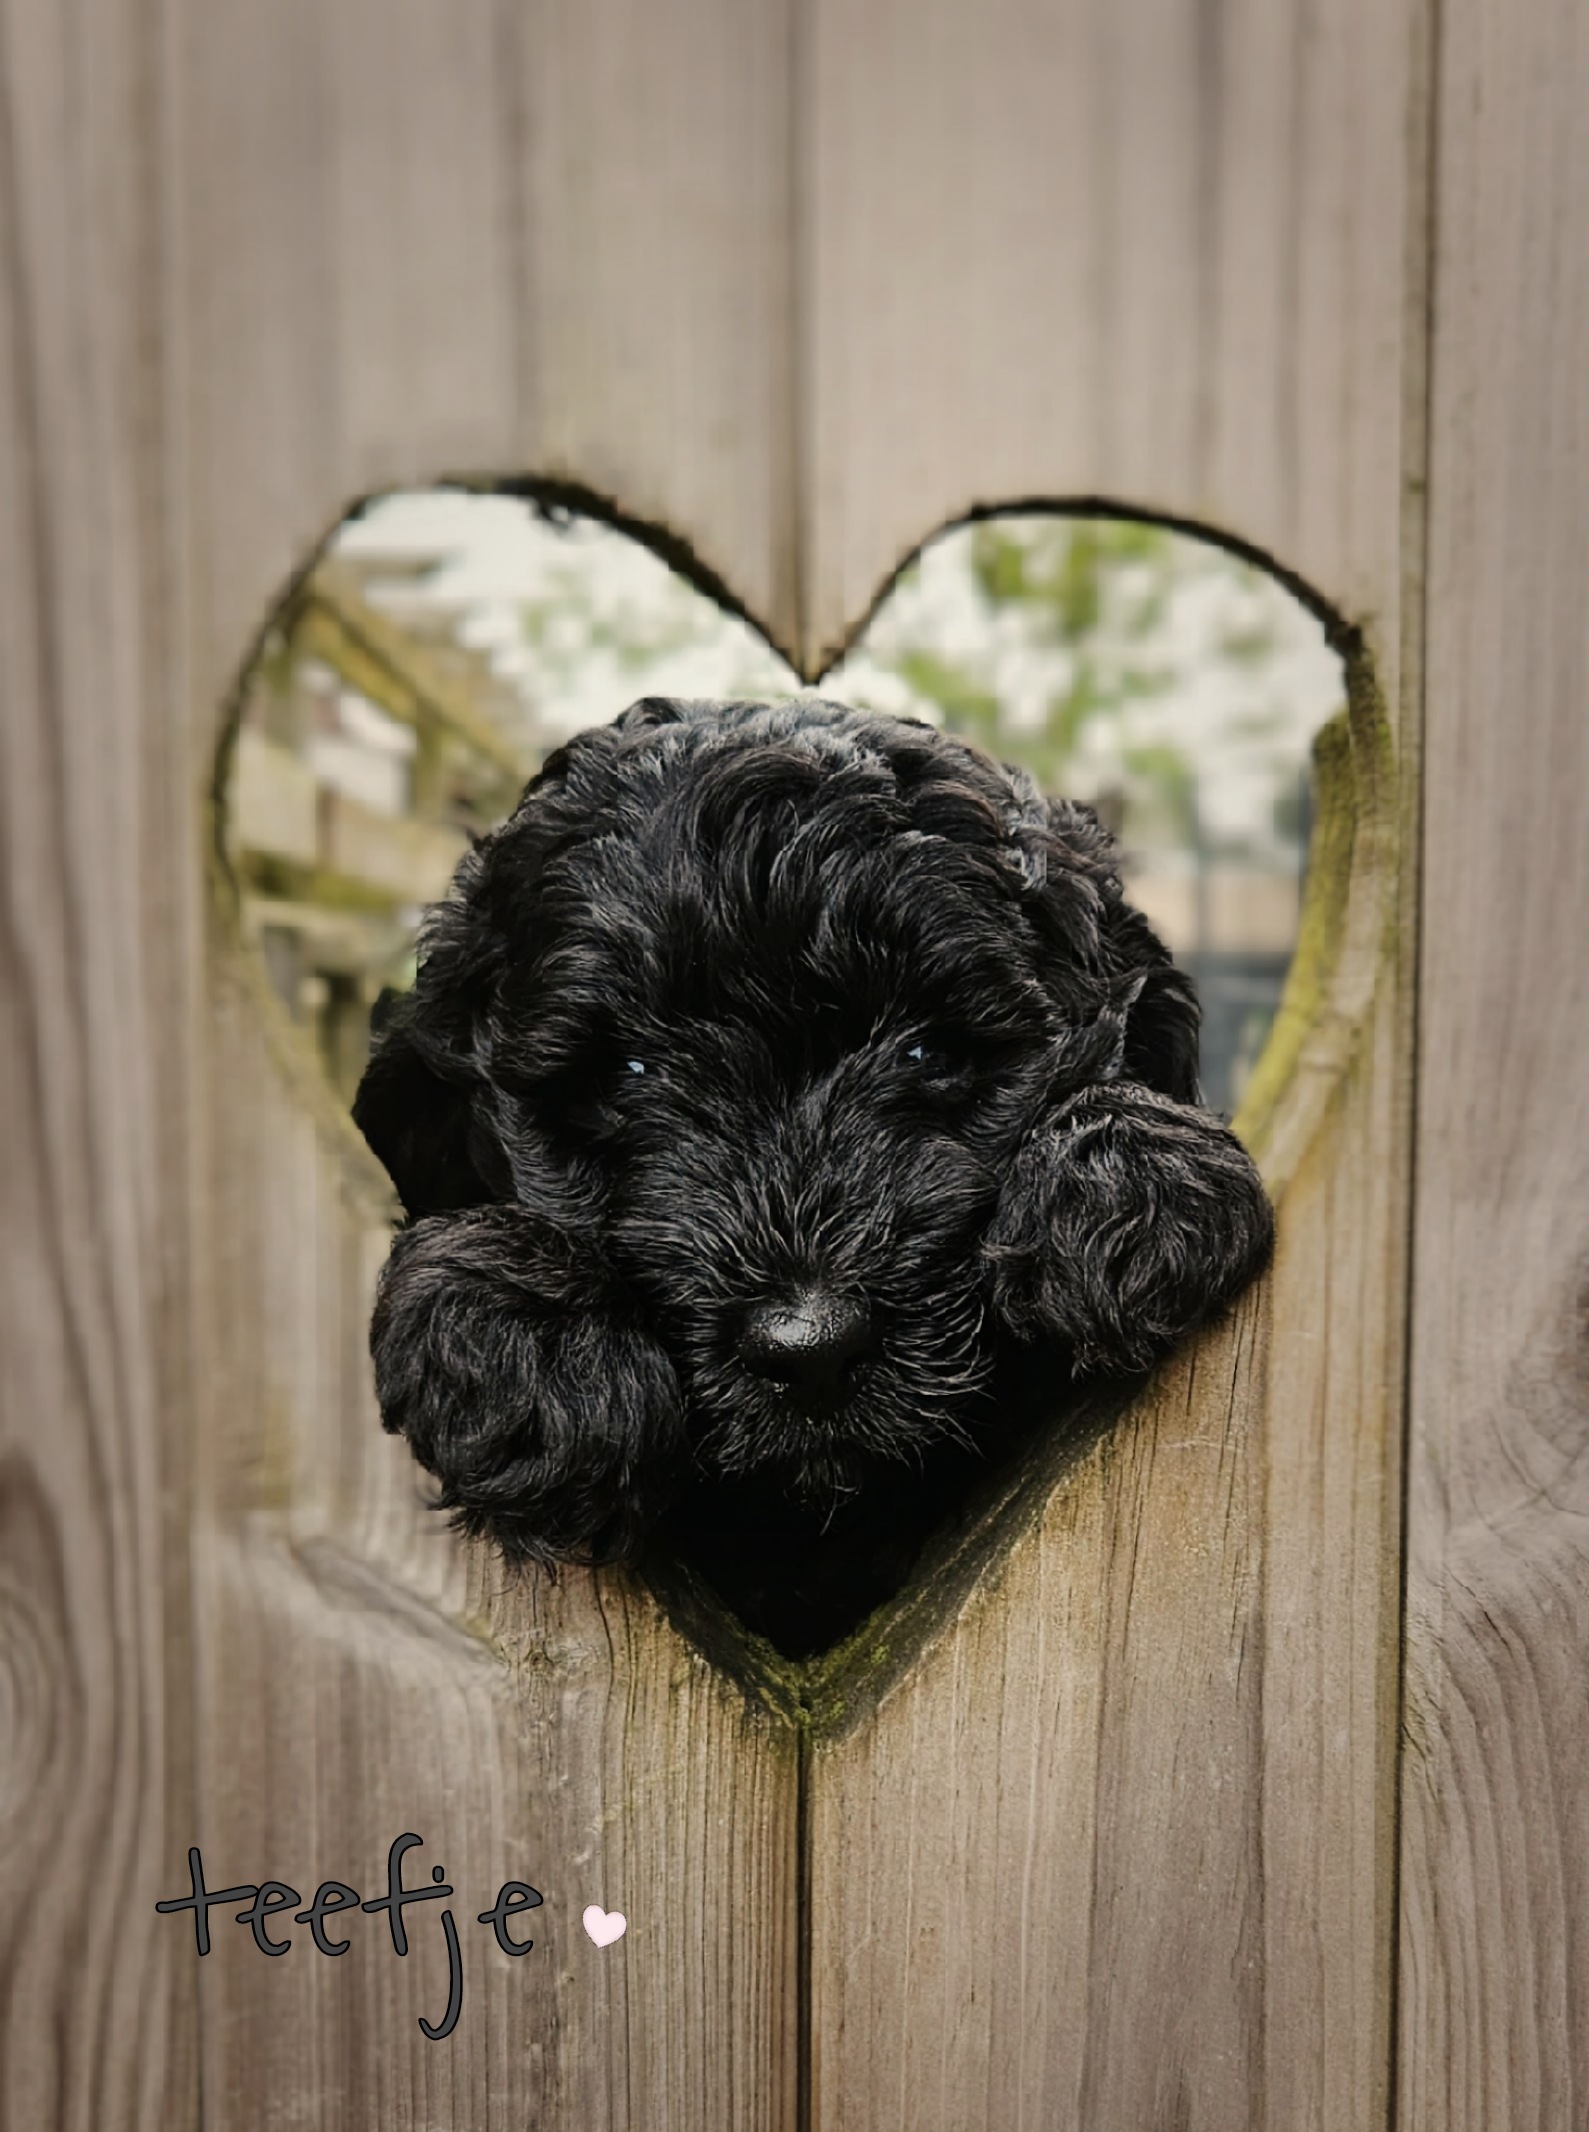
column 445, row 641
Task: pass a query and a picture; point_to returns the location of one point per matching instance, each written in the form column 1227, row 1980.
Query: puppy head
column 776, row 1063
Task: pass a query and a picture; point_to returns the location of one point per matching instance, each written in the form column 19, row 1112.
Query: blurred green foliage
column 1103, row 595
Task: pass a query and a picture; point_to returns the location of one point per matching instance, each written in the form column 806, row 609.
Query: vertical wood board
column 1118, row 1849
column 230, row 305
column 551, row 303
column 1495, row 1860
column 413, row 241
column 1147, row 255
column 363, row 1675
column 96, row 2024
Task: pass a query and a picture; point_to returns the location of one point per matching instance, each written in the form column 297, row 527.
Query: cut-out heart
column 444, row 643
column 447, row 640
column 604, row 1926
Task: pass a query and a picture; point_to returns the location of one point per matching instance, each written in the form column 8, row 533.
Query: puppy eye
column 634, row 1065
column 923, row 1056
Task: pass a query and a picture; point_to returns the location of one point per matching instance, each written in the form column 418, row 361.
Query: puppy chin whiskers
column 827, row 1492
column 821, row 1457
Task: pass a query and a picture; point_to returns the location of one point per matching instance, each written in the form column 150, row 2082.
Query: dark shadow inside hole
column 807, row 1579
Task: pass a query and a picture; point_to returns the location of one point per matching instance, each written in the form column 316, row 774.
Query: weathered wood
column 425, row 245
column 1034, row 1904
column 256, row 262
column 1150, row 255
column 1494, row 2018
column 799, row 286
column 362, row 1675
column 1117, row 1850
column 412, row 243
column 659, row 284
column 1126, row 1826
column 96, row 1088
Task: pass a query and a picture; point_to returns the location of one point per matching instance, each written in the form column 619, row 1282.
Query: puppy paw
column 547, row 1420
column 1128, row 1220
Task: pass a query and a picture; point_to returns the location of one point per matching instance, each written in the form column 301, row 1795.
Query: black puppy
column 770, row 1075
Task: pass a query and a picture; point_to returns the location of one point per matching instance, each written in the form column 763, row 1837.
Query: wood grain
column 96, row 2022
column 1117, row 1850
column 362, row 1675
column 660, row 331
column 1150, row 255
column 1002, row 1935
column 256, row 262
column 1495, row 1872
column 413, row 242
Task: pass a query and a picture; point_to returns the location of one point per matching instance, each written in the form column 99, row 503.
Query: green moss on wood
column 1351, row 860
column 1318, row 934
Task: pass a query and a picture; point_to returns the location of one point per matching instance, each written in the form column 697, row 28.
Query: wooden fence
column 1234, row 1774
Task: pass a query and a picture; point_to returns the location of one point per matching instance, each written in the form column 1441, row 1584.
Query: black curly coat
column 769, row 1075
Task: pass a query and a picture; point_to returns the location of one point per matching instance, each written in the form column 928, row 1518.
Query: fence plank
column 1118, row 1851
column 96, row 2022
column 1495, row 1875
column 253, row 263
column 1145, row 254
column 361, row 1676
column 1091, row 252
column 532, row 292
column 660, row 279
column 413, row 242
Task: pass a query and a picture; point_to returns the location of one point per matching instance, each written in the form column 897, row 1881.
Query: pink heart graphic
column 605, row 1926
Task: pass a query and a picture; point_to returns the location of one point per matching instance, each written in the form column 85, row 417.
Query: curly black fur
column 770, row 1075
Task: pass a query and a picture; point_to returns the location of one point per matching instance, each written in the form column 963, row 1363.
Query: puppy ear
column 553, row 1429
column 1127, row 1220
column 1162, row 1015
column 417, row 1104
column 420, row 1123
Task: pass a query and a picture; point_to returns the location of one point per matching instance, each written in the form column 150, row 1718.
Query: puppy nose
column 809, row 1342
